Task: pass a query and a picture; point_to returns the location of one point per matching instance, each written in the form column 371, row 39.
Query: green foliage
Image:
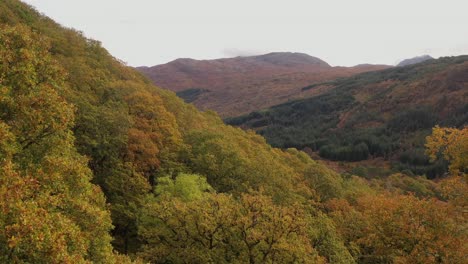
column 412, row 120
column 235, row 161
column 431, row 171
column 370, row 172
column 49, row 208
column 325, row 182
column 308, row 87
column 369, row 110
column 327, row 241
column 191, row 94
column 221, row 229
column 288, row 126
column 348, row 153
column 186, row 187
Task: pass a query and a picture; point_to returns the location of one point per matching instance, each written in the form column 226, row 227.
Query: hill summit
column 233, row 86
column 290, row 59
column 414, row 60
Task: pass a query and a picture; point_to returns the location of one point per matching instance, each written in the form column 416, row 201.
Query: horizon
column 292, row 52
column 149, row 33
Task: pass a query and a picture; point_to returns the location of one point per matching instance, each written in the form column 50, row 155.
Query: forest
column 383, row 114
column 98, row 165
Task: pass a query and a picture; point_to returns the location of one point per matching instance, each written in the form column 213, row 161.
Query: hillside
column 383, row 114
column 235, row 86
column 414, row 60
column 97, row 165
column 74, row 118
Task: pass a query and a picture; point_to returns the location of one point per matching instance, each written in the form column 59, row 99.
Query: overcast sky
column 150, row 32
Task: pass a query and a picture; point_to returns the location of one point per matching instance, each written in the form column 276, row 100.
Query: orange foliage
column 401, row 229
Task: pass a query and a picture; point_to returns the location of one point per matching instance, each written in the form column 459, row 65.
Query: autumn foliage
column 452, row 145
column 99, row 166
column 50, row 212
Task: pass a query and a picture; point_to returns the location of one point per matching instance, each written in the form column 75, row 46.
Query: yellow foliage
column 452, row 145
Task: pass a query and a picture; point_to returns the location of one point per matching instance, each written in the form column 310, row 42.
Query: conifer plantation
column 98, row 165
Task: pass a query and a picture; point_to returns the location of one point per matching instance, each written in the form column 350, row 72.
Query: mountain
column 414, row 60
column 383, row 114
column 240, row 85
column 97, row 165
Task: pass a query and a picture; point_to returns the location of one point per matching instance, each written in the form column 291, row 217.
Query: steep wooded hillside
column 384, row 114
column 132, row 133
column 235, row 86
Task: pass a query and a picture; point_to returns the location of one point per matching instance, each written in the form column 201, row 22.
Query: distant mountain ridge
column 414, row 60
column 233, row 86
column 290, row 59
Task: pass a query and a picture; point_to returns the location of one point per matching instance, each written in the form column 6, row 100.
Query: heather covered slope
column 377, row 114
column 240, row 85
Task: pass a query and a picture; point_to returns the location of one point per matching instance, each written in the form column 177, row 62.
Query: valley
column 383, row 114
column 305, row 163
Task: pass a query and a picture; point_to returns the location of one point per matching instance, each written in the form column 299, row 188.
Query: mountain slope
column 414, row 60
column 240, row 85
column 133, row 135
column 49, row 207
column 377, row 114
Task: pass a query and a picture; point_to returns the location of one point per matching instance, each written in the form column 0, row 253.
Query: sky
column 341, row 32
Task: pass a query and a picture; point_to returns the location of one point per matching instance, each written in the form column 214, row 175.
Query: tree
column 50, row 212
column 401, row 229
column 450, row 144
column 217, row 228
column 186, row 187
